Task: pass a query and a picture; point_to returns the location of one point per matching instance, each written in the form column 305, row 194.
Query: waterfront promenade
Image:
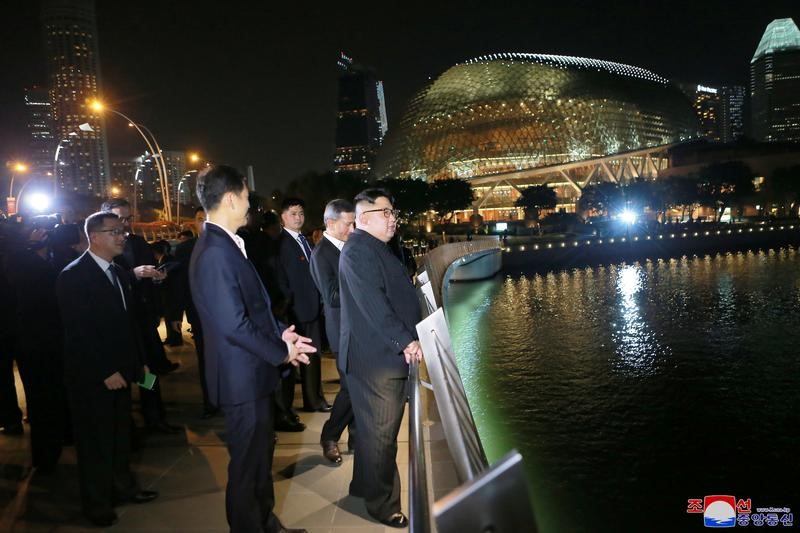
column 189, row 469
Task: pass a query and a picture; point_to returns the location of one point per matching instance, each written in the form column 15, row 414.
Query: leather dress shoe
column 397, row 520
column 330, row 449
column 162, row 427
column 283, row 424
column 144, row 496
column 106, row 519
column 324, row 407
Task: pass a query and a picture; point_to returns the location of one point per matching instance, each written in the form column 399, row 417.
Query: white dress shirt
column 336, row 242
column 238, row 240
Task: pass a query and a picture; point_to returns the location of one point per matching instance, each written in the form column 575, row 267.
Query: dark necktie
column 306, row 247
column 112, row 268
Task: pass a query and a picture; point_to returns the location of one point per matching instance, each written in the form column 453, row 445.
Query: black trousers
column 199, row 348
column 102, row 430
column 41, row 371
column 152, row 405
column 250, row 497
column 341, row 415
column 311, row 374
column 378, row 406
column 10, row 413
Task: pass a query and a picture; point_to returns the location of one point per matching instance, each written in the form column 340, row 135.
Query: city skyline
column 268, row 97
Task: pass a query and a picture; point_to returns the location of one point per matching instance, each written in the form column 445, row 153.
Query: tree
column 679, row 192
column 411, row 196
column 450, row 195
column 316, row 190
column 535, row 198
column 784, row 188
column 725, row 184
column 604, row 197
column 643, row 193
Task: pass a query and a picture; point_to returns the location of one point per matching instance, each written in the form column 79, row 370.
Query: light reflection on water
column 632, row 387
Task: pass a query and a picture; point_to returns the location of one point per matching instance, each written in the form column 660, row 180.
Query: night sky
column 255, row 82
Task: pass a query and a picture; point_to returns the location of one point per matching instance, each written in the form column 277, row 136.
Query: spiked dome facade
column 510, row 112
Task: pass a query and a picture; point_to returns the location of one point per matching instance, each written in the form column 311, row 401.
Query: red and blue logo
column 719, row 511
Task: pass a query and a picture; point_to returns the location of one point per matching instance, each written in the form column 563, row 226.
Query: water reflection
column 627, row 384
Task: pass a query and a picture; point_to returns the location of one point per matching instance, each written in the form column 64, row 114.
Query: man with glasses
column 137, row 258
column 379, row 313
column 102, row 359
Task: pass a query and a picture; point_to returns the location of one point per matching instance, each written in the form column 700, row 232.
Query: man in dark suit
column 294, row 278
column 339, row 217
column 246, row 349
column 379, row 313
column 102, row 359
column 138, row 260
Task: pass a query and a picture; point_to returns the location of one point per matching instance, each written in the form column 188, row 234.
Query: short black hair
column 371, row 196
column 95, row 221
column 114, row 203
column 291, row 202
column 199, row 210
column 186, row 233
column 212, row 184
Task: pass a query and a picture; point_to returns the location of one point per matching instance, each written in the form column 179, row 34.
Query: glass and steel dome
column 509, row 112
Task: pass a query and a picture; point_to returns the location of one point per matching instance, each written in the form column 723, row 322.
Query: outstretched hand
column 297, row 346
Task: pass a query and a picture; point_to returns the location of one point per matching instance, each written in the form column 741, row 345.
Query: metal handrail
column 418, row 503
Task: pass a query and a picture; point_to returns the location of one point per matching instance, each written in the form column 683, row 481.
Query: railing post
column 419, row 512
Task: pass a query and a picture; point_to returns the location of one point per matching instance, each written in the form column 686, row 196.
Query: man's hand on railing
column 413, row 352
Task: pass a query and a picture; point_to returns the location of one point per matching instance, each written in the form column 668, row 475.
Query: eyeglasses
column 386, row 212
column 114, row 232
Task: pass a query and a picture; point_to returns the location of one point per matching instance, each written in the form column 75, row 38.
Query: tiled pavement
column 189, row 470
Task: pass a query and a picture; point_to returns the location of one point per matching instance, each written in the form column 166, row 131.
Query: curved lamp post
column 156, row 151
column 83, row 127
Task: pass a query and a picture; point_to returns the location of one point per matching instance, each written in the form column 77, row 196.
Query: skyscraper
column 176, row 168
column 70, row 37
column 707, row 106
column 41, row 136
column 732, row 123
column 361, row 121
column 775, row 84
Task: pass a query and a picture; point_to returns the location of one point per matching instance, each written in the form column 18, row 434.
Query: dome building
column 525, row 119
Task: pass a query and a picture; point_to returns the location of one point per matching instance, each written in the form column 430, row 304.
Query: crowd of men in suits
column 259, row 298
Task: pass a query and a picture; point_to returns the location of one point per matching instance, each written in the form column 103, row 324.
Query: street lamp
column 83, row 127
column 11, row 202
column 161, row 168
column 178, row 200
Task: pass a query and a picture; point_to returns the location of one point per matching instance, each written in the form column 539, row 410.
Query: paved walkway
column 189, row 470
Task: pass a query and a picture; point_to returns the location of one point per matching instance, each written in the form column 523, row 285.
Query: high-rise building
column 707, row 105
column 70, row 37
column 123, row 172
column 176, row 169
column 775, row 84
column 41, row 137
column 361, row 121
column 732, row 99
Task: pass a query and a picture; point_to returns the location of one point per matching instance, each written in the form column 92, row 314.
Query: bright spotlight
column 38, row 201
column 628, row 217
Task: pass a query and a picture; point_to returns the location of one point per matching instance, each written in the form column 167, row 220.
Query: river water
column 630, row 388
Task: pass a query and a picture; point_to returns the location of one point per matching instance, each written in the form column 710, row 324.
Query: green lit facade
column 510, row 112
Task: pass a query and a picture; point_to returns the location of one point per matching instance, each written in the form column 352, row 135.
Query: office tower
column 775, row 84
column 732, row 99
column 41, row 136
column 176, row 168
column 73, row 61
column 122, row 175
column 361, row 119
column 707, row 105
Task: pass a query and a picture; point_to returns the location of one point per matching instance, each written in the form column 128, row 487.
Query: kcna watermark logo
column 727, row 511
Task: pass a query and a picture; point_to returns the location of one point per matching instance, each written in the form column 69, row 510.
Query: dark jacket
column 243, row 347
column 100, row 335
column 294, row 278
column 379, row 308
column 325, row 272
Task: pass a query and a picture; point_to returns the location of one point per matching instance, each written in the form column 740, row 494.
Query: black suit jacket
column 136, row 253
column 294, row 279
column 325, row 272
column 244, row 352
column 100, row 335
column 379, row 307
